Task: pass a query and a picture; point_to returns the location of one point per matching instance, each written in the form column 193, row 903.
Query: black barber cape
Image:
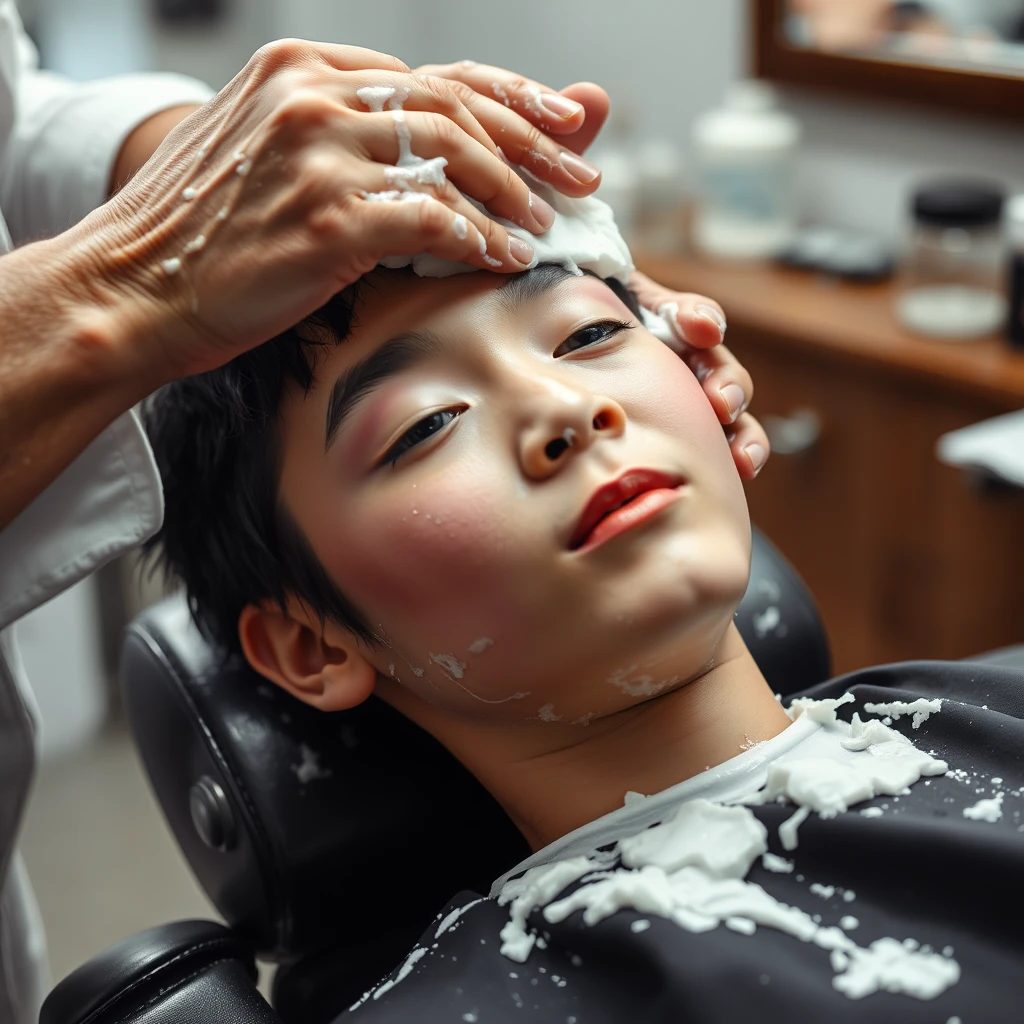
column 916, row 870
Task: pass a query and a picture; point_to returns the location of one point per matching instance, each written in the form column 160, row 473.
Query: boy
column 507, row 509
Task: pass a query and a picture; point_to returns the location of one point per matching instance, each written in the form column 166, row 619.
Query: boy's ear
column 292, row 654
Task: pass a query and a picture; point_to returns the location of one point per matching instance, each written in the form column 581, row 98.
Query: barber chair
column 327, row 842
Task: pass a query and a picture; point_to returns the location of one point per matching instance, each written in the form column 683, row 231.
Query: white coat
column 58, row 143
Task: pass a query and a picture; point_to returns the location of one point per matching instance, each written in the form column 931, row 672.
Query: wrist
column 95, row 328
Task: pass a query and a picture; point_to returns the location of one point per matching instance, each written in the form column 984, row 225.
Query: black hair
column 226, row 535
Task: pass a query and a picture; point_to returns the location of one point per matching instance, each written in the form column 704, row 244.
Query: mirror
column 966, row 54
column 961, row 34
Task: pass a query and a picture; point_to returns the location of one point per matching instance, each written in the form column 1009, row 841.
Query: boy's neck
column 559, row 778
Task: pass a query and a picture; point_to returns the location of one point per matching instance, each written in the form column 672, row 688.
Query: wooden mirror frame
column 976, row 92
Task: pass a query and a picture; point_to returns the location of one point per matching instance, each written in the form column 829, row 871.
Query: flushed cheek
column 664, row 394
column 434, row 553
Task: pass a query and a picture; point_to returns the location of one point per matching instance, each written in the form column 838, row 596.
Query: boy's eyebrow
column 355, row 383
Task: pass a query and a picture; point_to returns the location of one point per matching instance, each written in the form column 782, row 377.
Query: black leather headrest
column 309, row 829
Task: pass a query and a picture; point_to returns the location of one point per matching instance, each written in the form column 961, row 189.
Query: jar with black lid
column 952, row 281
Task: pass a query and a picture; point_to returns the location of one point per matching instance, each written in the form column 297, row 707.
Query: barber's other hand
column 699, row 325
column 254, row 211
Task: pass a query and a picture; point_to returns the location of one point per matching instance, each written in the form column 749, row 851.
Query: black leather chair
column 327, row 842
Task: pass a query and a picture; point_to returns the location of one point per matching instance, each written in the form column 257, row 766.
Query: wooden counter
column 907, row 558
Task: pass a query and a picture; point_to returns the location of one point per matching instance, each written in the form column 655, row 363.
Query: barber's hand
column 575, row 115
column 258, row 207
column 699, row 325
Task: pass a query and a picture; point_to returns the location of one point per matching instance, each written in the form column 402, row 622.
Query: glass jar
column 951, row 284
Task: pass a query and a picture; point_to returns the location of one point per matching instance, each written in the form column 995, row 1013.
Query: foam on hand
column 584, row 235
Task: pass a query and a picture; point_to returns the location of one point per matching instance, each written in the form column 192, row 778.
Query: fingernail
column 578, row 168
column 520, row 251
column 734, row 398
column 712, row 314
column 559, row 105
column 757, row 455
column 543, row 212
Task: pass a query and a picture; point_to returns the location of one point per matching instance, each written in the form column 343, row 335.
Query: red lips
column 629, row 485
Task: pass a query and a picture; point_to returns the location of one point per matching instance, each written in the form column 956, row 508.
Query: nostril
column 553, row 449
column 600, row 421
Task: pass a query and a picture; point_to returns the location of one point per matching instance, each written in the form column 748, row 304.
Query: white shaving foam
column 921, row 709
column 309, row 768
column 986, row 810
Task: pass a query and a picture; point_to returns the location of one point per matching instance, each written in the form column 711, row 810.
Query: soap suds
column 309, row 768
column 691, row 867
column 195, row 245
column 189, row 193
column 481, row 645
column 773, row 862
column 547, row 714
column 450, row 664
column 404, row 971
column 243, row 165
column 768, row 620
column 823, row 711
column 788, row 829
column 690, row 870
column 375, row 96
column 921, row 709
column 640, row 926
column 639, row 685
column 460, row 226
column 990, row 810
column 171, row 266
column 451, row 918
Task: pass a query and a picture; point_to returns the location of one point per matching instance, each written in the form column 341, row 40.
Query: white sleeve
column 106, row 502
column 58, row 158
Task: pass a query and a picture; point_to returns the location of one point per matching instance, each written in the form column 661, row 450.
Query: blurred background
column 842, row 175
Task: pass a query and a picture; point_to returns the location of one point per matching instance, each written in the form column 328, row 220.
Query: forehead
column 393, row 303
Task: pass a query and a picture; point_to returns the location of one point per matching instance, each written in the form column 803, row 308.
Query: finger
column 283, row 53
column 525, row 145
column 417, row 223
column 492, row 124
column 471, row 167
column 596, row 105
column 749, row 446
column 695, row 319
column 549, row 110
column 725, row 381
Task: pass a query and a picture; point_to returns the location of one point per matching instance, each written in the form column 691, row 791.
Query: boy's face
column 447, row 505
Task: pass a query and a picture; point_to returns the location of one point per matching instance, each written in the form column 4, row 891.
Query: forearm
column 64, row 375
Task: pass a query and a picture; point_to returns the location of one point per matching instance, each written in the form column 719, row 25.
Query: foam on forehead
column 584, row 236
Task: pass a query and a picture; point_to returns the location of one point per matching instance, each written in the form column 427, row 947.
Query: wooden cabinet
column 907, row 558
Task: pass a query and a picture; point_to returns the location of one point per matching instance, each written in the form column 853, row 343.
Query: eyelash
column 611, row 327
column 404, row 444
column 409, row 440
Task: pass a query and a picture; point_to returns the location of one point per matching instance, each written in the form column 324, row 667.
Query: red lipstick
column 631, row 499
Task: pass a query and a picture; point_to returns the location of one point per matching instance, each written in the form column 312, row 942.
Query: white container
column 744, row 155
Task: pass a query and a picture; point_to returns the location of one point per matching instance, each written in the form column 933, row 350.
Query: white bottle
column 744, row 161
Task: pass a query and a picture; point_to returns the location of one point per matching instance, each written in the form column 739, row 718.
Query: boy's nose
column 548, row 443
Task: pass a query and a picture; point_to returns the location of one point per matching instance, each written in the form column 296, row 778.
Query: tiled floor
column 101, row 859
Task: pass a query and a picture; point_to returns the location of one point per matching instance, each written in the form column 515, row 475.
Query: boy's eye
column 591, row 335
column 419, row 432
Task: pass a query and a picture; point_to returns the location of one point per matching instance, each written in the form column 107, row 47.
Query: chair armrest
column 188, row 972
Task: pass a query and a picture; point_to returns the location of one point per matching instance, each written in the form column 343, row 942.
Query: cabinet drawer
column 905, row 557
